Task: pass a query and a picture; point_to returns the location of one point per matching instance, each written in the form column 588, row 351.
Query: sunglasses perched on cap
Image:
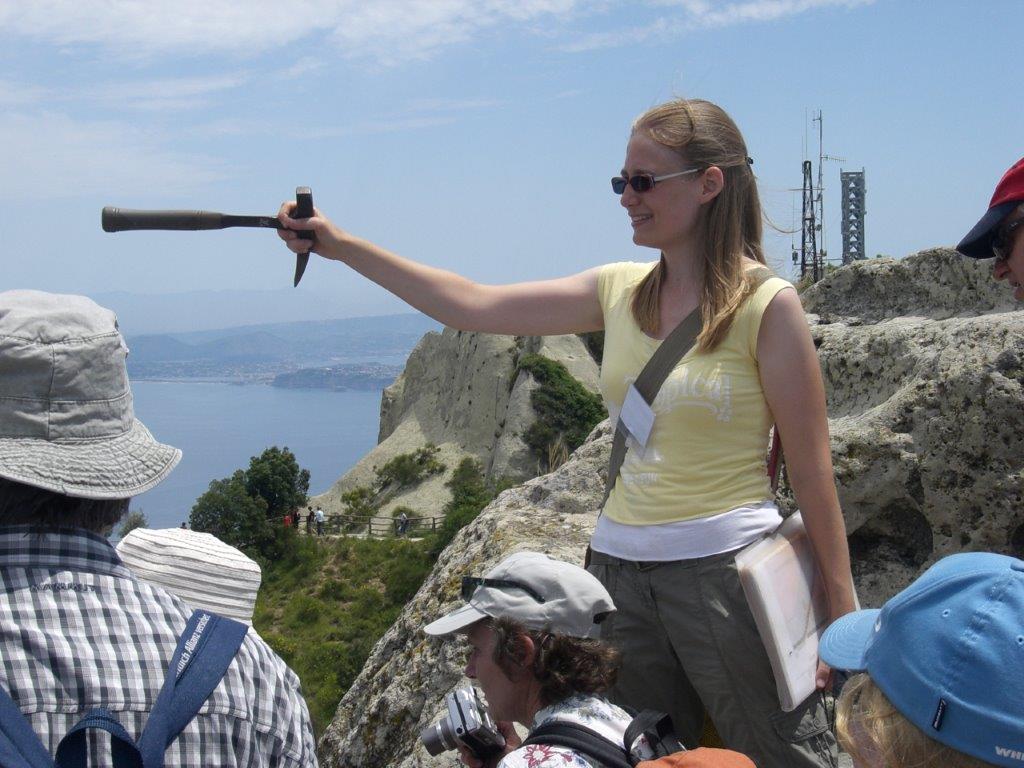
column 471, row 583
column 1002, row 243
column 644, row 182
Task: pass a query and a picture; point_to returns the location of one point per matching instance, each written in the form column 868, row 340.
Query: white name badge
column 637, row 416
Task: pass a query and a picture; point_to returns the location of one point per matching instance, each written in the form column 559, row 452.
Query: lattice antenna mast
column 809, row 257
column 820, row 198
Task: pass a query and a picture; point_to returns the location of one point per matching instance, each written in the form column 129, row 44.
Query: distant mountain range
column 262, row 352
column 184, row 312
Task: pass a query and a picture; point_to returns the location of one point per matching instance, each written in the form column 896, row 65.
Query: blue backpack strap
column 19, row 745
column 73, row 750
column 204, row 653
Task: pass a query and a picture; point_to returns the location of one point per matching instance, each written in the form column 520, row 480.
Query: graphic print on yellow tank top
column 706, row 451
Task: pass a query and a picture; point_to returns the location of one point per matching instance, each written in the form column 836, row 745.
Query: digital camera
column 468, row 723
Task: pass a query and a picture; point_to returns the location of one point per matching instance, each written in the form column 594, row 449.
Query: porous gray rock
column 463, row 393
column 923, row 361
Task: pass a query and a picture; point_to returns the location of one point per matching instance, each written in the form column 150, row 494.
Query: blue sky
column 474, row 135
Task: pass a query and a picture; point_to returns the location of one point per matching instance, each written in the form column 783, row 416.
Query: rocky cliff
column 923, row 361
column 464, row 393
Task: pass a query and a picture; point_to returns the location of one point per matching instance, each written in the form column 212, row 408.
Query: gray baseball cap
column 67, row 423
column 537, row 591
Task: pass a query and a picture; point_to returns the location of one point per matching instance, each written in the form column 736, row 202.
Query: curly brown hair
column 563, row 665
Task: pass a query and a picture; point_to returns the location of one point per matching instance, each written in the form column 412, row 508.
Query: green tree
column 230, row 513
column 359, row 502
column 408, row 469
column 135, row 519
column 275, row 477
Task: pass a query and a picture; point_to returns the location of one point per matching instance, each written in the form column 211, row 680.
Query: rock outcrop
column 923, row 362
column 462, row 392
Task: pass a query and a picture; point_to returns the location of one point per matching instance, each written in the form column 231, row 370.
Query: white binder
column 787, row 597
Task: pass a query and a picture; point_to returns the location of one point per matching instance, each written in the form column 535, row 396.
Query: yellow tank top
column 706, row 452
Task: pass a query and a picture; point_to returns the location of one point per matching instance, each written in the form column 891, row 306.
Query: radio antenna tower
column 813, row 251
column 810, row 259
column 822, row 158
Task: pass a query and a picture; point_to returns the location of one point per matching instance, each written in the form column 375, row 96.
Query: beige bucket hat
column 66, row 417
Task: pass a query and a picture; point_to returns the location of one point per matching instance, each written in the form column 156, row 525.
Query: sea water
column 219, row 427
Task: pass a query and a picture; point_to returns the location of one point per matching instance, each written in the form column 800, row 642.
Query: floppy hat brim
column 845, row 643
column 977, row 244
column 90, row 468
column 456, row 620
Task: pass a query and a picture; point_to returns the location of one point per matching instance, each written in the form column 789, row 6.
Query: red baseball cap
column 1009, row 193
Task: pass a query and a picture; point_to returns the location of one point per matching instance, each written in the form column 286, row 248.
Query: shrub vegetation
column 566, row 410
column 325, row 603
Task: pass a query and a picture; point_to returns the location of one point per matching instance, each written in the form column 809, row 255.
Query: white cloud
column 702, row 14
column 388, row 32
column 706, row 14
column 49, row 155
column 385, row 31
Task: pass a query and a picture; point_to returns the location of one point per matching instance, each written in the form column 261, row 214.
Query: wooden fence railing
column 376, row 526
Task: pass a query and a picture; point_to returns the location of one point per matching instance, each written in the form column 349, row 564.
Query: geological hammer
column 121, row 219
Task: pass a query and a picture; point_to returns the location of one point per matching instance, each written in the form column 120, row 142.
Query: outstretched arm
column 542, row 308
column 792, row 385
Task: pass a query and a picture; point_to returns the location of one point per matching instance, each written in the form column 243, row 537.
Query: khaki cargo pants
column 688, row 641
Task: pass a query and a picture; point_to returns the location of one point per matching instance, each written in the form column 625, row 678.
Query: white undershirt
column 686, row 539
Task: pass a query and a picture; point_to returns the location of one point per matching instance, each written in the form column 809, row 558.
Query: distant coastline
column 361, row 376
column 350, row 354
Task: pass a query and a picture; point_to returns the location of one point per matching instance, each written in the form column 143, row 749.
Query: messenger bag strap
column 669, row 352
column 648, row 383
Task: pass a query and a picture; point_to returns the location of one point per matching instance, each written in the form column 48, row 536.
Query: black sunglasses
column 1002, row 243
column 644, row 182
column 470, row 584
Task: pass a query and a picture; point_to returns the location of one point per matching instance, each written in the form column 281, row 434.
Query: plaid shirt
column 78, row 631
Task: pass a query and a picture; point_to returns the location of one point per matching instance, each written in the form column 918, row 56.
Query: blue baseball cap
column 948, row 652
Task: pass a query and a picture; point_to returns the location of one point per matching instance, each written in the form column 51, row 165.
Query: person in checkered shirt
column 77, row 630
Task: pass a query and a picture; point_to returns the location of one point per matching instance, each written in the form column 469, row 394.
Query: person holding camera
column 532, row 624
column 692, row 490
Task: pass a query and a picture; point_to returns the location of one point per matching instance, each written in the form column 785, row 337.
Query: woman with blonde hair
column 695, row 490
